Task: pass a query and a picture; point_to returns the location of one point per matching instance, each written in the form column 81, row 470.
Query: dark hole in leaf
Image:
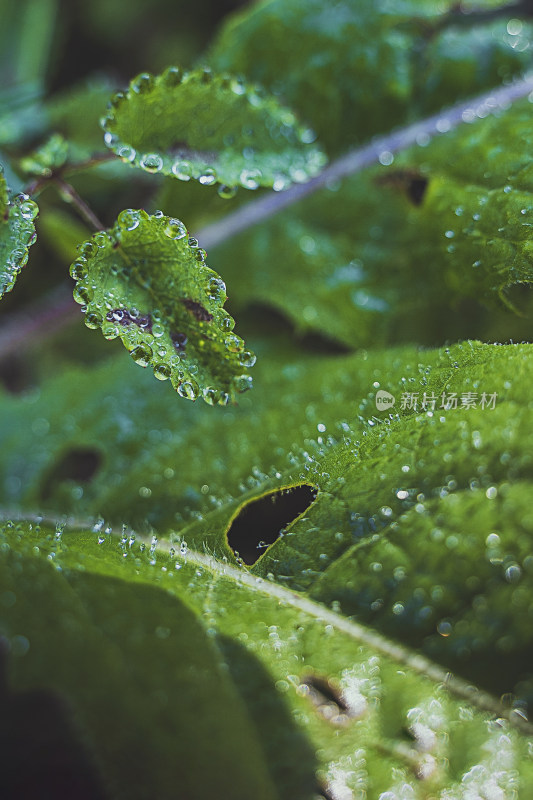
column 42, row 754
column 416, row 190
column 409, row 181
column 79, row 465
column 326, row 697
column 261, row 521
column 323, row 793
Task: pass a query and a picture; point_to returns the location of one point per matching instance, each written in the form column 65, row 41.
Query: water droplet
column 247, row 358
column 110, row 139
column 82, row 295
column 250, row 178
column 211, row 395
column 188, row 389
column 172, row 76
column 227, row 192
column 183, row 548
column 93, row 320
column 243, row 383
column 161, row 372
column 227, row 324
column 142, row 83
column 101, row 239
column 216, row 288
column 126, row 153
column 128, row 219
column 182, row 170
column 28, row 208
column 237, row 86
column 513, row 573
column 151, row 162
column 78, row 270
column 234, row 343
column 449, row 234
column 208, row 177
column 175, row 229
column 142, row 354
column 386, row 158
column 307, row 136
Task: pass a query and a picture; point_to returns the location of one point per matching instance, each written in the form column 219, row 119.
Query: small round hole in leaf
column 260, row 522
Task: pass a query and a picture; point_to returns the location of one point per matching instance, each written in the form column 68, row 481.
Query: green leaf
column 378, row 480
column 17, row 234
column 453, row 218
column 212, row 128
column 147, row 282
column 151, row 637
column 50, row 156
column 362, row 69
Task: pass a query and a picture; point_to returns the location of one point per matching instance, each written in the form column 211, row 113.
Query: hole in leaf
column 259, row 523
column 323, row 793
column 408, row 181
column 78, row 465
column 326, row 698
column 42, row 754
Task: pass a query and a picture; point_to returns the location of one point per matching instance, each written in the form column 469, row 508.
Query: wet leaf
column 211, row 128
column 17, row 234
column 173, row 631
column 458, row 228
column 379, row 477
column 147, row 282
column 481, row 202
column 416, row 57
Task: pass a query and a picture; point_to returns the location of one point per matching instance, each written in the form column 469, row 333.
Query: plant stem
column 357, row 159
column 70, row 195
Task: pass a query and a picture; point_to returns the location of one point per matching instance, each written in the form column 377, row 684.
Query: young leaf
column 17, row 234
column 234, row 670
column 212, row 128
column 147, row 282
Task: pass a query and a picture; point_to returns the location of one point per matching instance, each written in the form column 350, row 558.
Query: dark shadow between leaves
column 290, row 756
column 261, row 319
column 42, row 755
column 16, row 375
column 79, row 464
column 260, row 522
